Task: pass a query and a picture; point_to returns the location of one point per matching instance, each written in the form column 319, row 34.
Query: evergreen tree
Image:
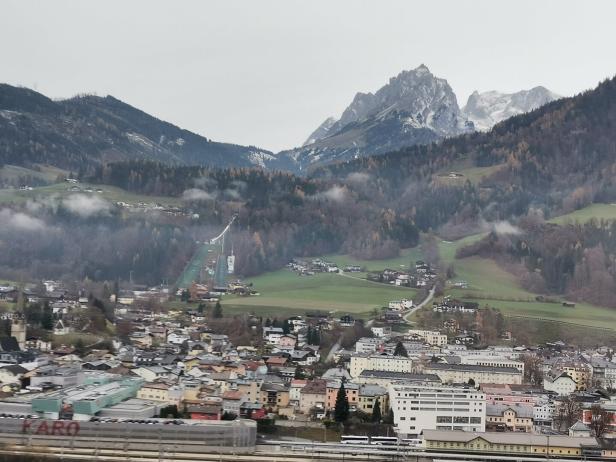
column 389, row 417
column 316, row 338
column 299, row 373
column 47, row 317
column 217, row 311
column 376, row 412
column 80, row 348
column 185, row 296
column 400, row 350
column 286, row 327
column 341, row 411
column 201, row 308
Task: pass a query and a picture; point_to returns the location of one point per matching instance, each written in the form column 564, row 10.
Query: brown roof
column 232, row 394
column 317, row 386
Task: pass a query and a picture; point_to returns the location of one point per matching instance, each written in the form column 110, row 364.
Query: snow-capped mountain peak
column 491, row 107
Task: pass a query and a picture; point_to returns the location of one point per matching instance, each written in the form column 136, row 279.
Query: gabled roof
column 579, row 426
column 9, row 344
column 521, row 411
column 15, row 369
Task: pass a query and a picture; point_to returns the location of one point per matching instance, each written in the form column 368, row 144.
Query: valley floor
column 487, row 284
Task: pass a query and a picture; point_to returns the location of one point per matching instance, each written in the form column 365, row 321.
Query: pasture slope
column 489, row 284
column 593, row 211
column 284, row 290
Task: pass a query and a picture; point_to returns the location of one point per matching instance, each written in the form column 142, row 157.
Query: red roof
column 232, row 394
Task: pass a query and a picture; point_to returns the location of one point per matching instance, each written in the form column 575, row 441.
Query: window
column 443, row 419
column 475, row 420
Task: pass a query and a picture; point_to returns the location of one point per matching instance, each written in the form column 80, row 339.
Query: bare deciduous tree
column 568, row 411
column 533, row 371
column 599, row 420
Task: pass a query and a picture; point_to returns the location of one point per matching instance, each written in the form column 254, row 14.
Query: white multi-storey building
column 543, row 413
column 465, row 373
column 419, row 407
column 379, row 362
column 429, row 336
column 368, row 345
column 563, row 383
column 491, row 361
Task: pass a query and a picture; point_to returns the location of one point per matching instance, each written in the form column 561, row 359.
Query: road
column 419, row 306
column 334, row 349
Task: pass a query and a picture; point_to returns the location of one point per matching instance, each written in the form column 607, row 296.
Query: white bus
column 413, row 442
column 354, row 439
column 384, row 440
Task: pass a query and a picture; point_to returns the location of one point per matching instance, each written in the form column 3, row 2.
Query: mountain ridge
column 85, row 131
column 412, row 100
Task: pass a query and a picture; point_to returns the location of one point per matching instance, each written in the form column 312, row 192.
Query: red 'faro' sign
column 51, row 428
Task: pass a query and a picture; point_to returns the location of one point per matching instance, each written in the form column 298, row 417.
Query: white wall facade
column 421, row 407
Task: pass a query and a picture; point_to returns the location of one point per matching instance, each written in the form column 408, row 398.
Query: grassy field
column 284, row 290
column 598, row 211
column 398, row 263
column 60, row 190
column 472, row 174
column 488, row 284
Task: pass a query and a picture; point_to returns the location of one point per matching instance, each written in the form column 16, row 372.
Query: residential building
column 351, row 391
column 367, row 345
column 159, row 391
column 503, row 417
column 368, row 397
column 467, row 373
column 273, row 396
column 428, row 336
column 380, row 362
column 313, row 396
column 295, row 391
column 384, row 378
column 562, row 383
column 491, row 361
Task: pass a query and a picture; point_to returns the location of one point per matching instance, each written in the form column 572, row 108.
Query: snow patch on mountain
column 261, row 158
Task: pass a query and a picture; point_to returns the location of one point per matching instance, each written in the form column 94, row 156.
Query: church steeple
column 18, row 330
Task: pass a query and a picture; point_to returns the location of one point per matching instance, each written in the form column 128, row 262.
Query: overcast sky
column 268, row 72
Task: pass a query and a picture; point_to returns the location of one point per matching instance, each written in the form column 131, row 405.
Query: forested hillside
column 556, row 159
column 82, row 132
column 559, row 157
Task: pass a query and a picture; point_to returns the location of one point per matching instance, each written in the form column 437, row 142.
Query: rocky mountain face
column 487, row 109
column 415, row 107
column 82, row 132
column 321, row 132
